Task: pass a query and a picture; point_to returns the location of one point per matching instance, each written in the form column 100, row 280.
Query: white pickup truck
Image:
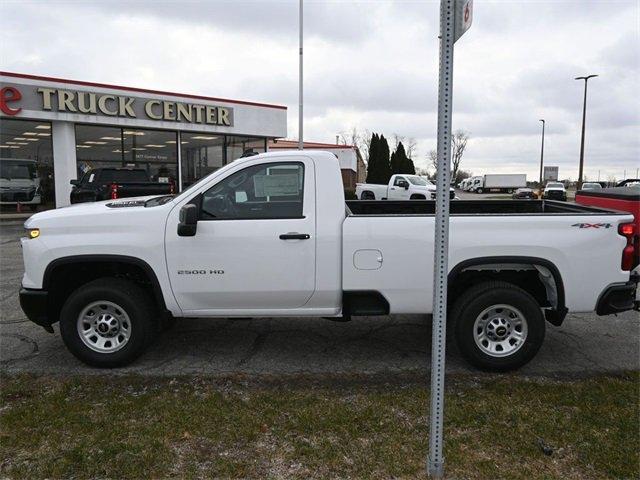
column 400, row 187
column 272, row 236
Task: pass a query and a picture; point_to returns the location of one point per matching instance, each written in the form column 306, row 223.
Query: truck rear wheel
column 107, row 322
column 498, row 326
column 367, row 195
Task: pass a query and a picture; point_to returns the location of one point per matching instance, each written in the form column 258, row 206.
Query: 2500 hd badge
column 201, row 272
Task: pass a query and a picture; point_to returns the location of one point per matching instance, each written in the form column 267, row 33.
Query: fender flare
column 555, row 316
column 106, row 258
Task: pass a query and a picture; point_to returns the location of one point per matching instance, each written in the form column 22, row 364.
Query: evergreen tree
column 400, row 163
column 385, row 166
column 373, row 165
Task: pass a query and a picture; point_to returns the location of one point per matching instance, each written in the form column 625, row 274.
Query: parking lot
column 585, row 343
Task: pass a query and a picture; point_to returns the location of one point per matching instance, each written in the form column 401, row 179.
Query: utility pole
column 542, row 152
column 300, row 133
column 584, row 117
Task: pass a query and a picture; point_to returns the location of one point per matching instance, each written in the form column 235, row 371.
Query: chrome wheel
column 500, row 330
column 104, row 327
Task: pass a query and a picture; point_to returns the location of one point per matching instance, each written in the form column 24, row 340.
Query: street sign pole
column 455, row 19
column 300, row 58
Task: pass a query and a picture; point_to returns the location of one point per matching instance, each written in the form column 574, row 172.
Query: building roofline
column 139, row 90
column 308, row 145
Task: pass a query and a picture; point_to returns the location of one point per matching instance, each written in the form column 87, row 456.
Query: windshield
column 416, row 180
column 591, row 185
column 555, row 185
column 16, row 171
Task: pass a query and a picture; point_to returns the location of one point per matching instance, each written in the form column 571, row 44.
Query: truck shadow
column 293, row 346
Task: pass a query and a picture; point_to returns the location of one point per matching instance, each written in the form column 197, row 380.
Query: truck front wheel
column 107, row 322
column 498, row 326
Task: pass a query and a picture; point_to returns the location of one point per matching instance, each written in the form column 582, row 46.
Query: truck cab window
column 396, row 182
column 265, row 191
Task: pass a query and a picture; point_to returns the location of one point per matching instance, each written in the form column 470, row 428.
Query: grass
column 140, row 427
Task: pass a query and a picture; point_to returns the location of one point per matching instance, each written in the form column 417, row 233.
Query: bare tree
column 459, row 141
column 410, row 147
column 360, row 140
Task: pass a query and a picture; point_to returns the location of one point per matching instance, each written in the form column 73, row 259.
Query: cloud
column 369, row 64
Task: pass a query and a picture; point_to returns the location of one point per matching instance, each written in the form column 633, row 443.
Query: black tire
column 417, row 196
column 367, row 195
column 474, row 301
column 130, row 298
column 479, row 190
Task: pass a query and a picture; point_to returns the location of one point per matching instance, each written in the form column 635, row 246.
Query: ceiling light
column 44, row 127
column 11, row 143
column 132, row 132
column 43, row 134
column 170, row 141
column 203, row 137
column 110, row 138
column 154, row 146
column 22, row 143
column 32, row 139
column 135, row 148
column 29, row 133
column 91, row 142
column 19, row 138
column 83, row 146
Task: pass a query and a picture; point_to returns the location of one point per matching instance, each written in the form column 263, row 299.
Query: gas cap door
column 367, row 259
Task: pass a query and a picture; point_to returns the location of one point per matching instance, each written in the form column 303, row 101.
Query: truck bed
column 471, row 207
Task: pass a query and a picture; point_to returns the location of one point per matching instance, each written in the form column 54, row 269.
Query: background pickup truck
column 401, row 187
column 272, row 236
column 111, row 183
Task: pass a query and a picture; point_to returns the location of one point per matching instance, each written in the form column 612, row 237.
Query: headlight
column 33, row 232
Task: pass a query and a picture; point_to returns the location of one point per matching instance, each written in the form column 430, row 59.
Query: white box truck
column 499, row 183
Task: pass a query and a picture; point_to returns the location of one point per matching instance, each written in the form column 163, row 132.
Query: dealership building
column 54, row 130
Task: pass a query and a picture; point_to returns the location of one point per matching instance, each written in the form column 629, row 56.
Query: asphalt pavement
column 585, row 344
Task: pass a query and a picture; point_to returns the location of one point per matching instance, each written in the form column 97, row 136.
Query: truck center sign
column 14, row 98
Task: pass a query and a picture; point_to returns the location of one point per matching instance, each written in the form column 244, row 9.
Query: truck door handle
column 295, row 236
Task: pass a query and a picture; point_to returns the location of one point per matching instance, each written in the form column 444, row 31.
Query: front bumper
column 618, row 297
column 34, row 304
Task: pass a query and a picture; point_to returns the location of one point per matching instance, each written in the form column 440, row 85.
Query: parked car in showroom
column 272, row 236
column 555, row 191
column 19, row 183
column 523, row 194
column 591, row 186
column 112, row 183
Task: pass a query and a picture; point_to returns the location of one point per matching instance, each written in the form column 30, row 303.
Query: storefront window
column 154, row 150
column 201, row 154
column 26, row 165
column 97, row 147
column 238, row 146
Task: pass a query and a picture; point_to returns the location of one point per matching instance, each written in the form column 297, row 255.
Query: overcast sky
column 370, row 65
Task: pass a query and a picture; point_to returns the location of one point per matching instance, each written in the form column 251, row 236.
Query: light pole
column 584, row 116
column 542, row 152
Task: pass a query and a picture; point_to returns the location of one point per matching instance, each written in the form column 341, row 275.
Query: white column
column 64, row 159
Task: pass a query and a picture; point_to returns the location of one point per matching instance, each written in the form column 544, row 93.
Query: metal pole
column 584, row 117
column 300, row 133
column 542, row 152
column 435, row 462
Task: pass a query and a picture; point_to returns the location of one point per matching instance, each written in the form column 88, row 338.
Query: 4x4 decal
column 592, row 225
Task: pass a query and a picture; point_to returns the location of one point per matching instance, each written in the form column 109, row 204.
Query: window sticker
column 275, row 185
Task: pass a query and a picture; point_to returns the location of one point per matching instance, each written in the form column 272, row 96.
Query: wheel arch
column 104, row 265
column 499, row 265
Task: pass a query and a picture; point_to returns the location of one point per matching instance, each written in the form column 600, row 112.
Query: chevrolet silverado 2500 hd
column 400, row 187
column 272, row 236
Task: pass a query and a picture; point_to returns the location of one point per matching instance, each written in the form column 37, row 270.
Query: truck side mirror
column 75, row 182
column 404, row 184
column 188, row 220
